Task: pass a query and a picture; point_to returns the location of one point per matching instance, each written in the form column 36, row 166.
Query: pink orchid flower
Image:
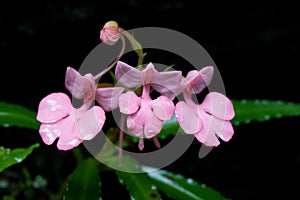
column 61, row 120
column 84, row 88
column 210, row 119
column 146, row 116
column 110, row 33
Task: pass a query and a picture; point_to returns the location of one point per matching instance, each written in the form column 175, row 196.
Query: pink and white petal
column 218, row 105
column 54, row 107
column 167, row 82
column 163, row 108
column 109, row 36
column 129, row 103
column 135, row 129
column 187, row 118
column 108, row 98
column 154, row 127
column 50, row 132
column 199, row 80
column 211, row 140
column 128, row 75
column 73, row 82
column 226, row 132
column 68, row 138
column 89, row 123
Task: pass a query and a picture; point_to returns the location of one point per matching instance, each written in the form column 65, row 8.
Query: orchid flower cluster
column 208, row 121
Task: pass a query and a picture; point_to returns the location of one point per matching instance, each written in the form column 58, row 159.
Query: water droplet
column 278, row 115
column 267, row 117
column 247, row 121
column 190, row 181
column 203, row 185
column 243, row 101
column 18, row 159
column 236, row 123
column 279, row 102
column 256, row 101
column 6, row 125
column 153, row 187
column 121, row 181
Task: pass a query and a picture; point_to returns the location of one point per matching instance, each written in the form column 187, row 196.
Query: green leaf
column 178, row 187
column 139, row 185
column 263, row 110
column 84, row 182
column 17, row 115
column 170, row 127
column 10, row 157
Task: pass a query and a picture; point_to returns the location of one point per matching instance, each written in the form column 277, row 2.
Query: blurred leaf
column 84, row 182
column 263, row 110
column 16, row 115
column 139, row 185
column 10, row 157
column 8, row 198
column 178, row 187
column 170, row 127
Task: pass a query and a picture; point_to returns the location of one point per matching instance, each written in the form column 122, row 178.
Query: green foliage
column 16, row 115
column 84, row 182
column 263, row 110
column 139, row 185
column 10, row 157
column 178, row 187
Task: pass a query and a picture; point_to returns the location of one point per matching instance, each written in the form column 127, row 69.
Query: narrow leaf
column 84, row 182
column 263, row 110
column 17, row 115
column 139, row 185
column 10, row 157
column 178, row 187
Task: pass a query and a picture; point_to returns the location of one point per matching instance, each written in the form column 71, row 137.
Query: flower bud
column 110, row 33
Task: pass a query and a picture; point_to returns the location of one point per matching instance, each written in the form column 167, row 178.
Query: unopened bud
column 110, row 33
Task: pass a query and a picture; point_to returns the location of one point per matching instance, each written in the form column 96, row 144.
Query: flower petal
column 200, row 80
column 187, row 118
column 54, row 107
column 129, row 103
column 163, row 108
column 218, row 105
column 213, row 127
column 135, row 129
column 89, row 123
column 68, row 138
column 108, row 98
column 128, row 75
column 163, row 82
column 81, row 87
column 154, row 126
column 50, row 132
column 226, row 132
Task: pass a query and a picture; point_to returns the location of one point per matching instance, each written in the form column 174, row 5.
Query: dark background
column 254, row 44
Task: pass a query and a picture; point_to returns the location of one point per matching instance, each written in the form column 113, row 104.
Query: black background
column 254, row 44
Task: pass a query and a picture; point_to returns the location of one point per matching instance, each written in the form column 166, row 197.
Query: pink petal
column 68, row 138
column 154, row 126
column 81, row 87
column 164, row 82
column 129, row 103
column 226, row 132
column 213, row 127
column 199, row 80
column 187, row 118
column 163, row 108
column 109, row 36
column 50, row 132
column 54, row 107
column 127, row 75
column 218, row 105
column 135, row 129
column 89, row 123
column 108, row 98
